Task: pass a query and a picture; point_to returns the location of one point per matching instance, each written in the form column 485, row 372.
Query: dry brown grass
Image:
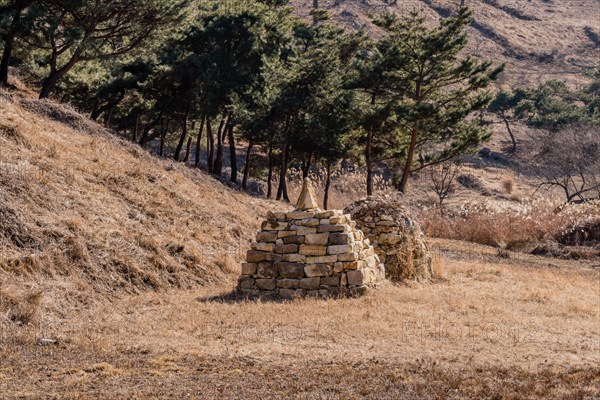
column 86, row 216
column 105, row 250
column 510, row 329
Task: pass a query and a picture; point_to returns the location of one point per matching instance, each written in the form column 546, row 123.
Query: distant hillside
column 537, row 39
column 83, row 213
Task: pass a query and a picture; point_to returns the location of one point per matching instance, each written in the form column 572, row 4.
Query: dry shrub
column 508, row 185
column 517, row 228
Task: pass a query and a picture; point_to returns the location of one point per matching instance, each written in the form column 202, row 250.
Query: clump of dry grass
column 20, row 308
column 508, row 185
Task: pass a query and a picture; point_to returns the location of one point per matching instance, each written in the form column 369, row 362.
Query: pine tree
column 438, row 89
column 75, row 31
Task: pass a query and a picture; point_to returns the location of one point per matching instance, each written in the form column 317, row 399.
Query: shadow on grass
column 236, row 298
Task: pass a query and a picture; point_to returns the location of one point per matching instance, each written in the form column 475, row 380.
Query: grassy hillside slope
column 83, row 213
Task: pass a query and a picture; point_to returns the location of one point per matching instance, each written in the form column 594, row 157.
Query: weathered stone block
column 313, row 250
column 267, row 270
column 290, row 293
column 297, row 239
column 268, row 247
column 300, row 215
column 249, row 268
column 311, row 222
column 385, row 223
column 266, row 237
column 246, row 282
column 389, row 239
column 313, row 270
column 286, row 248
column 340, row 249
column 274, row 257
column 330, row 281
column 266, row 284
column 288, row 283
column 291, row 270
column 359, row 235
column 294, row 257
column 372, row 261
column 357, row 277
column 351, row 265
column 357, row 291
column 321, row 259
column 341, row 219
column 331, row 228
column 310, row 283
column 317, row 238
column 340, row 238
column 324, row 214
column 304, row 230
column 338, row 267
column 284, row 234
column 348, row 257
column 253, row 256
column 344, row 279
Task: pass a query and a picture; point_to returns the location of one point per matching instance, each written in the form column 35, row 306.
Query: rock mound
column 396, row 236
column 309, row 252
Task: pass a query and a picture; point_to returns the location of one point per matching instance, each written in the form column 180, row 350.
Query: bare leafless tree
column 442, row 179
column 570, row 161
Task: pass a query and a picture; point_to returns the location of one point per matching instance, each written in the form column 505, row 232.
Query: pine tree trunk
column 9, row 40
column 327, row 187
column 161, row 149
column 270, row 175
column 184, row 133
column 247, row 165
column 510, row 133
column 136, row 127
column 409, row 158
column 198, row 142
column 148, row 128
column 307, row 163
column 232, row 153
column 163, row 134
column 188, row 149
column 5, row 62
column 210, row 146
column 218, row 164
column 282, row 189
column 369, row 162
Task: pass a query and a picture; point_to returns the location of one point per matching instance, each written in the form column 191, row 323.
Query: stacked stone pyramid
column 310, row 252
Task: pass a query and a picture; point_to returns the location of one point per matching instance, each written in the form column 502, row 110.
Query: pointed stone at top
column 307, row 199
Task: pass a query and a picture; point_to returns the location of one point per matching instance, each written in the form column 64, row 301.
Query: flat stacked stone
column 396, row 236
column 309, row 252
